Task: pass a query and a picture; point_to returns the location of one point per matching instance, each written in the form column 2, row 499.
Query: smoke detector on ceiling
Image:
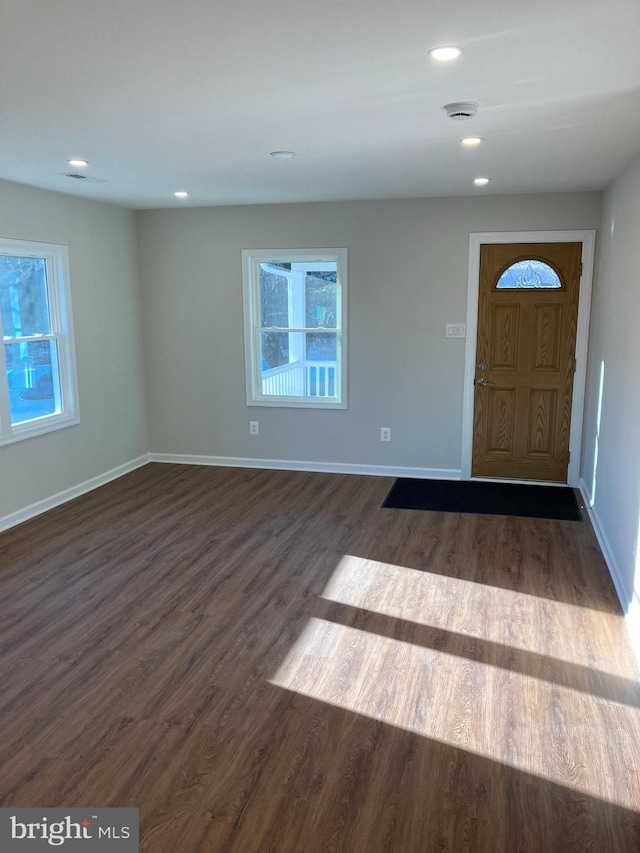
column 462, row 110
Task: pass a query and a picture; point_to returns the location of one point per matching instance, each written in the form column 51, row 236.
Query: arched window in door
column 528, row 275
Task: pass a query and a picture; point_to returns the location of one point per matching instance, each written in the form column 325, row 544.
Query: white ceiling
column 161, row 95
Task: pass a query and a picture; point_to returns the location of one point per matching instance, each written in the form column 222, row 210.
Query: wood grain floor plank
column 268, row 661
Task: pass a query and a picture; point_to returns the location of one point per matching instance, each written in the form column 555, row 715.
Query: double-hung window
column 37, row 369
column 295, row 310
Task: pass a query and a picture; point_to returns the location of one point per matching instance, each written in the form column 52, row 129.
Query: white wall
column 105, row 297
column 611, row 454
column 408, row 266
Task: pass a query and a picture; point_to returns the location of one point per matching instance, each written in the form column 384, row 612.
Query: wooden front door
column 525, row 360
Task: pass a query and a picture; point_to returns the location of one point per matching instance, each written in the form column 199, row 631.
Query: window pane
column 321, row 299
column 24, row 296
column 274, row 349
column 321, row 347
column 274, row 297
column 306, row 366
column 32, row 373
column 529, row 275
column 282, row 373
column 321, row 365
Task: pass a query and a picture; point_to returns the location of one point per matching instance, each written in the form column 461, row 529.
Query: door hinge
column 569, row 456
column 575, row 364
column 580, row 269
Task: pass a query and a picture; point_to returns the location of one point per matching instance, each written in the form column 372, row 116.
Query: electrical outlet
column 385, row 433
column 254, row 427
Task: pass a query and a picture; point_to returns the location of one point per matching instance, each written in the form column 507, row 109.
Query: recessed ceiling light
column 471, row 141
column 481, row 182
column 283, row 155
column 445, row 53
column 181, row 194
column 78, row 164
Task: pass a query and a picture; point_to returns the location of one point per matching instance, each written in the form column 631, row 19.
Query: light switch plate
column 455, row 330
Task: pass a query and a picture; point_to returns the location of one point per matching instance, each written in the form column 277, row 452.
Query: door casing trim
column 476, row 240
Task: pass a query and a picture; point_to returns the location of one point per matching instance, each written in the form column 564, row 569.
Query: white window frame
column 251, row 260
column 56, row 259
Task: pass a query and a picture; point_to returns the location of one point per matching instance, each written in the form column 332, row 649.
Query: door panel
column 547, row 337
column 543, row 405
column 501, row 420
column 505, row 325
column 525, row 361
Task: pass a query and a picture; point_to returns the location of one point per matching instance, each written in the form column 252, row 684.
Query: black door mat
column 558, row 502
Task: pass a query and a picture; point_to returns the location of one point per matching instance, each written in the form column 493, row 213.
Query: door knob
column 482, row 382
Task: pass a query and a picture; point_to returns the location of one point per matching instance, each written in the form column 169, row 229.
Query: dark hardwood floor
column 267, row 661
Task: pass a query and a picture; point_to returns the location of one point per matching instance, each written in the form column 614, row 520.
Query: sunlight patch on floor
column 523, row 722
column 474, row 609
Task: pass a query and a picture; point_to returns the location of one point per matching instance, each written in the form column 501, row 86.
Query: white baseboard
column 39, row 507
column 625, row 594
column 318, row 467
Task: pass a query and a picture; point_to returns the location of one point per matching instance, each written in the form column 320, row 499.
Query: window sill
column 296, row 404
column 33, row 430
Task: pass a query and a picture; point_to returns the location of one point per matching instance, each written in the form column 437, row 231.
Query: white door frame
column 588, row 240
